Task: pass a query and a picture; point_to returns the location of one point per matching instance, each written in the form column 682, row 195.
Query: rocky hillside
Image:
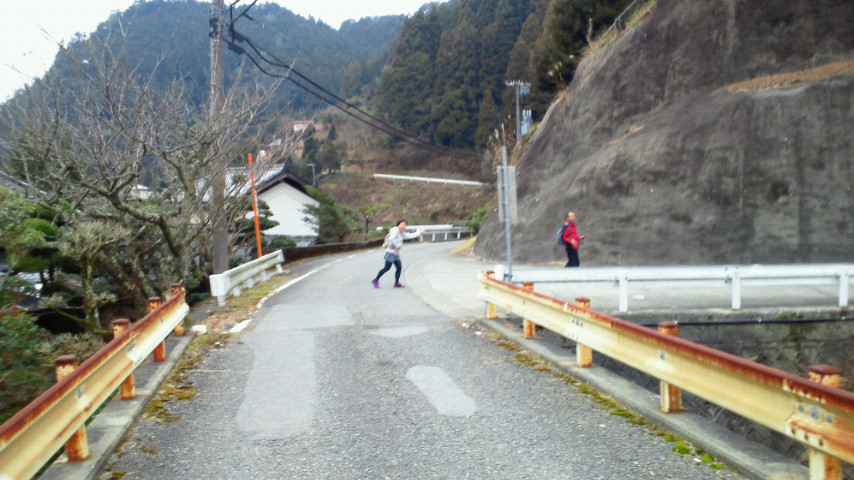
column 714, row 131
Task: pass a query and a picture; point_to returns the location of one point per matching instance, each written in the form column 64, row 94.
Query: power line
column 335, row 101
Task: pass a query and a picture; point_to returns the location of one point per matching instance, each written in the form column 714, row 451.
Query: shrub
column 23, row 372
column 83, row 345
column 282, row 241
column 478, row 216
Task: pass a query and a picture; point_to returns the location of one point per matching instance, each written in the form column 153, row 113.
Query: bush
column 282, row 241
column 27, row 358
column 23, row 372
column 83, row 345
column 478, row 216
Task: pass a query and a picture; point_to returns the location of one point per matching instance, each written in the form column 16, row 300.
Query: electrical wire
column 335, row 101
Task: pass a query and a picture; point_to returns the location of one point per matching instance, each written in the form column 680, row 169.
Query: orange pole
column 255, row 208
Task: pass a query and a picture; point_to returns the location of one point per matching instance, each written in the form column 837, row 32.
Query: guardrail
column 810, row 412
column 441, row 232
column 738, row 276
column 243, row 276
column 58, row 416
column 447, row 181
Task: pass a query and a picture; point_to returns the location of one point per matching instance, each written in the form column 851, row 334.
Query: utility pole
column 217, row 100
column 522, row 89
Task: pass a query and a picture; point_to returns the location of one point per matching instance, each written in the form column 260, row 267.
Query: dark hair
column 401, row 221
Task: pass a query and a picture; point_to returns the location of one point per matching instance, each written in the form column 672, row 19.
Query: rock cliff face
column 715, row 131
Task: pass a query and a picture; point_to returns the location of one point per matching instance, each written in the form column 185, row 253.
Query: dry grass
column 238, row 309
column 466, row 247
column 639, row 14
column 794, row 78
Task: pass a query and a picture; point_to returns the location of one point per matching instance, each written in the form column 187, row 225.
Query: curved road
column 334, row 379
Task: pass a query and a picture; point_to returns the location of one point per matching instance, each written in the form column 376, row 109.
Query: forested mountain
column 178, row 31
column 446, row 80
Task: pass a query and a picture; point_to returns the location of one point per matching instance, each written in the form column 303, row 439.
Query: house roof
column 285, row 175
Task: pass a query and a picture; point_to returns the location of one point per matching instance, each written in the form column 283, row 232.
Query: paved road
column 337, row 380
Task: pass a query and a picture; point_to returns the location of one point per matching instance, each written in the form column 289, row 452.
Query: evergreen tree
column 333, row 221
column 488, row 119
column 445, row 62
column 569, row 25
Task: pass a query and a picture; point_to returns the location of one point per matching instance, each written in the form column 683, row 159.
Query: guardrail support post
column 671, row 396
column 843, row 289
column 126, row 389
column 624, row 294
column 77, row 446
column 179, row 329
column 160, row 349
column 583, row 353
column 822, row 465
column 736, row 290
column 529, row 328
column 491, row 314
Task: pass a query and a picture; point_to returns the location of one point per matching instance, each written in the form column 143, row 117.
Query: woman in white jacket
column 394, row 242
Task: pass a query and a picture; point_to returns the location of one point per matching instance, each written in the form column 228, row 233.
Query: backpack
column 559, row 233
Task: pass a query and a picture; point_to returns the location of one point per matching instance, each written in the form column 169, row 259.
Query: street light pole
column 313, row 182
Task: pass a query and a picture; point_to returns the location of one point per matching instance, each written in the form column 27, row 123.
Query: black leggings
column 397, row 267
column 572, row 257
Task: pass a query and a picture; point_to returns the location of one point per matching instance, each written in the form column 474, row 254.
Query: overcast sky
column 31, row 30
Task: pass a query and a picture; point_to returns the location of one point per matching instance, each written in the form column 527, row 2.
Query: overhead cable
column 334, row 100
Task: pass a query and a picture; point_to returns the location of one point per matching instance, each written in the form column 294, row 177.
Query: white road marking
column 441, row 391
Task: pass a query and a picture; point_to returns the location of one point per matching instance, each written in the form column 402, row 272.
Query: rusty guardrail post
column 822, row 465
column 583, row 353
column 491, row 314
column 160, row 350
column 671, row 396
column 529, row 328
column 128, row 386
column 77, row 446
column 176, row 290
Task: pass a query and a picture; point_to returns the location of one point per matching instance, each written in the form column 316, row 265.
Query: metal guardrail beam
column 30, row 438
column 429, row 180
column 233, row 280
column 737, row 276
column 814, row 414
column 441, row 232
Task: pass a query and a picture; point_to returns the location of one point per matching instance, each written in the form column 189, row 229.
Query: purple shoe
column 399, row 285
column 376, row 283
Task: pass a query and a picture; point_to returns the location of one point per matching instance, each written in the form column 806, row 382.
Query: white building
column 286, row 196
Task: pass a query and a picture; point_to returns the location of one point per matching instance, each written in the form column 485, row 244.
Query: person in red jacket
column 571, row 241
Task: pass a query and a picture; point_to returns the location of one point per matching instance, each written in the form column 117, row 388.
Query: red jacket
column 570, row 235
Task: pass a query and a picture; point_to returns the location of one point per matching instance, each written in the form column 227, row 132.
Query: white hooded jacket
column 396, row 238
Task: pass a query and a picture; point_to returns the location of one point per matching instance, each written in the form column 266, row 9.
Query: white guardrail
column 435, row 233
column 446, row 181
column 243, row 276
column 737, row 276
